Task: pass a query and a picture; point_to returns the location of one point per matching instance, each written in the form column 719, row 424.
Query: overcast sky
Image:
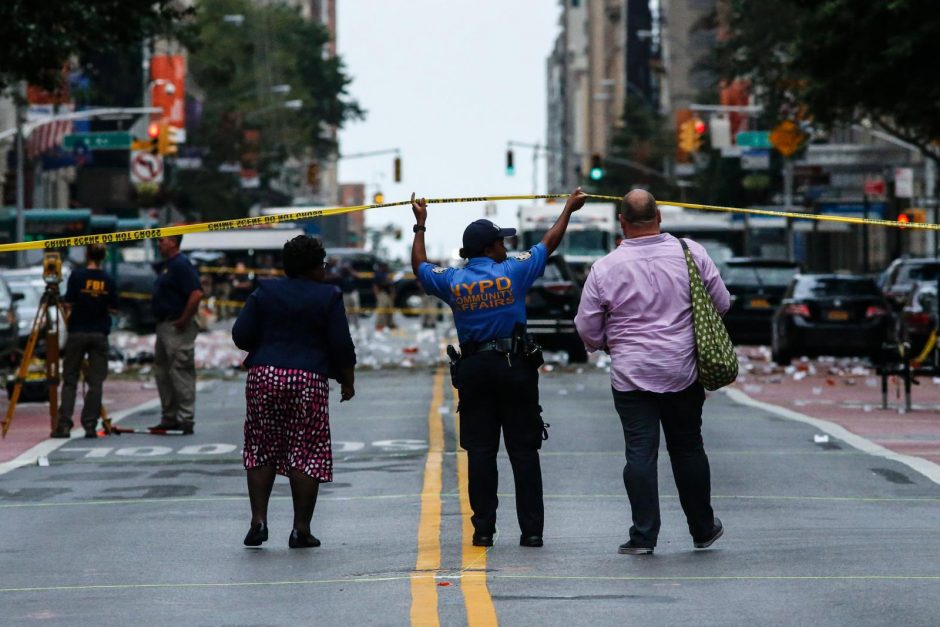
column 449, row 83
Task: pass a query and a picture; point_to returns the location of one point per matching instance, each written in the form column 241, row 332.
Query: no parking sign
column 146, row 167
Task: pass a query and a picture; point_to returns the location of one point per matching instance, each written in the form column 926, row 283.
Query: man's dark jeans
column 680, row 414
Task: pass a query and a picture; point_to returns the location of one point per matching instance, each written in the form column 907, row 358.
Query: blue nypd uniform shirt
column 488, row 298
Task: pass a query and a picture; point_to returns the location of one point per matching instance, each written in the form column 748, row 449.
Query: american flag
column 49, row 135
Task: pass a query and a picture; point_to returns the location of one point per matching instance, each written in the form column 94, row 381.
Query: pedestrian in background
column 497, row 371
column 636, row 306
column 90, row 298
column 176, row 295
column 384, row 291
column 348, row 279
column 297, row 337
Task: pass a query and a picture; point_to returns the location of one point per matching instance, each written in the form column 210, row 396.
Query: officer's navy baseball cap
column 481, row 233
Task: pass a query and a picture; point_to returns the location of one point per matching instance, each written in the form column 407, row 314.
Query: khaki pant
column 351, row 303
column 174, row 368
column 384, row 304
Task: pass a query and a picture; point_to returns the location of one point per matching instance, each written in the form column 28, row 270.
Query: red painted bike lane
column 848, row 393
column 31, row 423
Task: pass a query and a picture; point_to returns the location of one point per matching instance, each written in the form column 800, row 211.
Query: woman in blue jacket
column 297, row 337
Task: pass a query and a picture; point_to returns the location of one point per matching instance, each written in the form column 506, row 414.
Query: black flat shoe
column 533, row 541
column 482, row 539
column 257, row 534
column 299, row 540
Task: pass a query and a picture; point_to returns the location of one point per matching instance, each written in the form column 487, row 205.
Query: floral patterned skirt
column 288, row 421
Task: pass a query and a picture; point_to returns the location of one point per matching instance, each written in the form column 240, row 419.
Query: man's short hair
column 642, row 212
column 95, row 253
column 303, row 254
column 178, row 238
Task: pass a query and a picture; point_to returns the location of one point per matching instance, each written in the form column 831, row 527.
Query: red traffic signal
column 700, row 127
column 153, row 130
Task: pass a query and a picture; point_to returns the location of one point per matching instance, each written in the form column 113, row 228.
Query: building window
column 575, row 3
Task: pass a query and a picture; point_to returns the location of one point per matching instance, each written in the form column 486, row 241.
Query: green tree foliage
column 237, row 69
column 841, row 61
column 38, row 39
column 637, row 152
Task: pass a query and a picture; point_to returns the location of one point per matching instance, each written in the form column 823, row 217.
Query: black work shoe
column 300, row 540
column 630, row 548
column 533, row 541
column 90, row 433
column 187, row 429
column 709, row 540
column 61, row 432
column 257, row 534
column 482, row 539
column 166, row 426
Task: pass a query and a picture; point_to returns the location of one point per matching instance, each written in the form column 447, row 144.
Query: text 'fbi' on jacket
column 95, row 288
column 483, row 294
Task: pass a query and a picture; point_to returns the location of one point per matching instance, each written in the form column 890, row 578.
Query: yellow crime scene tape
column 300, row 214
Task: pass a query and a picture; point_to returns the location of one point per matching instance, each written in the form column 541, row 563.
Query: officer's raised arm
column 553, row 236
column 418, row 253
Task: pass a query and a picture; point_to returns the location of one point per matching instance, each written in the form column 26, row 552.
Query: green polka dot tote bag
column 717, row 362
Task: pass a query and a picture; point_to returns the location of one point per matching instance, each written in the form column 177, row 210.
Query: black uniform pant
column 77, row 347
column 495, row 395
column 680, row 414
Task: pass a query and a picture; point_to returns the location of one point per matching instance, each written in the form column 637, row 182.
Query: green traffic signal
column 597, row 172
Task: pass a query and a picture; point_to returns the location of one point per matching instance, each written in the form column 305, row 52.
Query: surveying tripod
column 48, row 321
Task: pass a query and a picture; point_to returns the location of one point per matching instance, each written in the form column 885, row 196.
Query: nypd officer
column 497, row 370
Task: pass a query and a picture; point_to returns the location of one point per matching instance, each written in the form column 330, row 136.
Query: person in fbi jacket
column 496, row 372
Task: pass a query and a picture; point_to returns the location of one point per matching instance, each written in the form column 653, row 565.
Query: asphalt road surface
column 147, row 530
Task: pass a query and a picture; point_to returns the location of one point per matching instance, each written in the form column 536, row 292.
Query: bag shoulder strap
column 690, row 262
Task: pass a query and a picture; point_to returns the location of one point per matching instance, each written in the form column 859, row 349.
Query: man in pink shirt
column 636, row 307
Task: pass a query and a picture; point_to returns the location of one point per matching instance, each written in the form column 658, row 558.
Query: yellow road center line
column 476, row 594
column 424, row 587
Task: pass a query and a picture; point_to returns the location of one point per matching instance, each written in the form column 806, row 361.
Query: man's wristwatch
column 419, row 228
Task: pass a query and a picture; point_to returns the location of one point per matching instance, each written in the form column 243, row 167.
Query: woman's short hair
column 303, row 254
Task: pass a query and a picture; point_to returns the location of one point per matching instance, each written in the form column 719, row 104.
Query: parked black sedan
column 550, row 307
column 756, row 287
column 830, row 314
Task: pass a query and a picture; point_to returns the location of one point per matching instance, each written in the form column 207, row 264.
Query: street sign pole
column 866, row 265
column 788, row 202
column 20, row 177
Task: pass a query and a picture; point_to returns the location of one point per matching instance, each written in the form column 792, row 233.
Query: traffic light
column 165, row 145
column 378, row 198
column 597, row 171
column 397, row 169
column 510, row 168
column 690, row 134
column 153, row 132
column 915, row 215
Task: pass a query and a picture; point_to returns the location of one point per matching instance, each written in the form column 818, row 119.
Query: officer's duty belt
column 500, row 345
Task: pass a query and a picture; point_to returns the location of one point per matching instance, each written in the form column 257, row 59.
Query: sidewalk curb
column 29, row 457
column 923, row 466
